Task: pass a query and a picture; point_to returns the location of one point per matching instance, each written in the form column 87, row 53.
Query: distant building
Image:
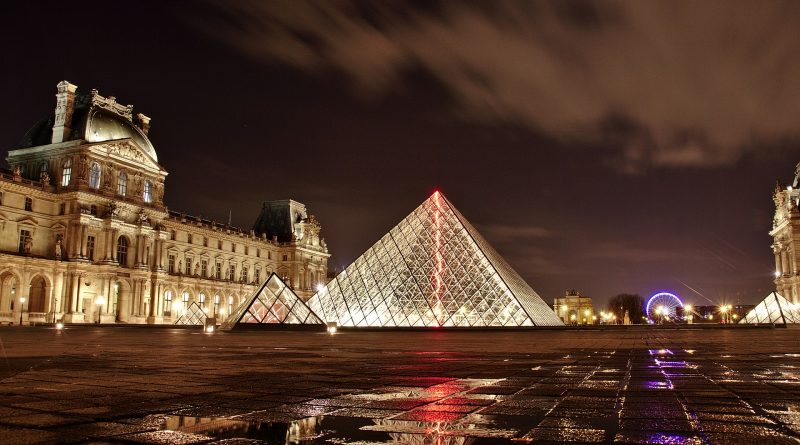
column 85, row 236
column 786, row 239
column 716, row 314
column 573, row 308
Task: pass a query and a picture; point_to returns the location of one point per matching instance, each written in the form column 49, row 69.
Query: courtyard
column 175, row 386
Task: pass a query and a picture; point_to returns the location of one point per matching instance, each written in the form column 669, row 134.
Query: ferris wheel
column 662, row 306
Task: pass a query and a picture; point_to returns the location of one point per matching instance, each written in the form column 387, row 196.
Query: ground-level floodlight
column 332, row 327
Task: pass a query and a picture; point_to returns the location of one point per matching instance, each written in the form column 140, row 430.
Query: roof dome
column 103, row 125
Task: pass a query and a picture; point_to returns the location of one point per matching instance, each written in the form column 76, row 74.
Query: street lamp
column 99, row 302
column 21, row 307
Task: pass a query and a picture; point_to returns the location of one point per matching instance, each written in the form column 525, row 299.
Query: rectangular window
column 285, row 257
column 218, row 273
column 1, row 198
column 28, row 204
column 171, row 264
column 257, row 277
column 231, row 272
column 167, row 303
column 258, row 252
column 203, row 268
column 66, row 172
column 189, row 238
column 233, row 247
column 247, row 250
column 93, row 210
column 205, row 241
column 62, row 208
column 244, row 274
column 188, row 265
column 269, row 255
column 219, row 244
column 172, row 235
column 24, row 240
column 90, row 247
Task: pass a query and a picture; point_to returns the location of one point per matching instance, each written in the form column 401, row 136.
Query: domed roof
column 103, row 125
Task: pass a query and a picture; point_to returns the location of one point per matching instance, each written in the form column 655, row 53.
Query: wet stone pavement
column 176, row 386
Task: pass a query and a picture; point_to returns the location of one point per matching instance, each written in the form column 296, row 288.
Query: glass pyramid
column 192, row 315
column 773, row 310
column 273, row 303
column 431, row 269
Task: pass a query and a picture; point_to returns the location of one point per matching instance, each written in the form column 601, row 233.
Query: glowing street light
column 21, row 307
column 100, row 301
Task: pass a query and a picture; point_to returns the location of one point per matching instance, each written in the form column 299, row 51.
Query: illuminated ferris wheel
column 662, row 306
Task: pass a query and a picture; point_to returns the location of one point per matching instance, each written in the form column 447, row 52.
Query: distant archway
column 37, row 295
column 9, row 291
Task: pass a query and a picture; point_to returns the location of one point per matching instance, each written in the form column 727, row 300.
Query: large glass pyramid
column 431, row 269
column 773, row 310
column 273, row 303
column 192, row 315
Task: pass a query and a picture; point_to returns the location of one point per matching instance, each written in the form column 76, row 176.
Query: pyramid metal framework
column 193, row 315
column 775, row 309
column 432, row 269
column 273, row 303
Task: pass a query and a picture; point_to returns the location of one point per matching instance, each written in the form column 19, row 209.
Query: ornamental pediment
column 127, row 150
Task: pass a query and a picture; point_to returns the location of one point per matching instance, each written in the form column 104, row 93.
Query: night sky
column 612, row 147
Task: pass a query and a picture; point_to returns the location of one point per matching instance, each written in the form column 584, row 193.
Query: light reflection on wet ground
column 637, row 386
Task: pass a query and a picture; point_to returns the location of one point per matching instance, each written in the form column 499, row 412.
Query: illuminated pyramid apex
column 432, row 269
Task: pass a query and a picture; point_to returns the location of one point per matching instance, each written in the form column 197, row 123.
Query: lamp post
column 99, row 302
column 21, row 308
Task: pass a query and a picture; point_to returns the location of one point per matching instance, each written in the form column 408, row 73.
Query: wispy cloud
column 659, row 83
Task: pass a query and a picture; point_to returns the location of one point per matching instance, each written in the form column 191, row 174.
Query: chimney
column 65, row 106
column 144, row 123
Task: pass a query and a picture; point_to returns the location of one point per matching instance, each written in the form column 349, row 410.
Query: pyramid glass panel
column 193, row 315
column 273, row 303
column 775, row 309
column 432, row 269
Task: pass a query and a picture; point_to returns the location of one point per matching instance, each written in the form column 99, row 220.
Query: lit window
column 202, row 298
column 185, row 299
column 94, row 176
column 171, row 264
column 203, row 268
column 230, row 305
column 231, row 272
column 122, row 251
column 28, row 204
column 66, row 172
column 244, row 274
column 122, row 184
column 188, row 265
column 167, row 303
column 147, row 194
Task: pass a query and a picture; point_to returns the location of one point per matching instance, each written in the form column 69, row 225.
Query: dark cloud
column 695, row 83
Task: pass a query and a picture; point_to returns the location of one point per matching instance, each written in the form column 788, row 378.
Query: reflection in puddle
column 339, row 430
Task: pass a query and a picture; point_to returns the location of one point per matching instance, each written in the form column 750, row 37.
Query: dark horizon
column 596, row 150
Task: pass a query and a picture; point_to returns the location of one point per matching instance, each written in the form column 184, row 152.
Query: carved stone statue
column 143, row 218
column 44, row 178
column 17, row 173
column 107, row 175
column 180, row 266
column 83, row 167
column 113, row 210
column 28, row 245
column 197, row 269
column 58, row 249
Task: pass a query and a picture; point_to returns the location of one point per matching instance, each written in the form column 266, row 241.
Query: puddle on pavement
column 341, row 431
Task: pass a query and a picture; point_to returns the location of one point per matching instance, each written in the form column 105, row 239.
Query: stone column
column 83, row 253
column 123, row 304
column 114, row 241
column 778, row 268
column 784, row 262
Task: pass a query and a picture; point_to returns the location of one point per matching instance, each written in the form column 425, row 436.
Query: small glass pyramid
column 192, row 315
column 273, row 303
column 775, row 309
column 432, row 269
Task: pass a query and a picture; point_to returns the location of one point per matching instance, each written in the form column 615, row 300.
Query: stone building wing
column 273, row 303
column 432, row 269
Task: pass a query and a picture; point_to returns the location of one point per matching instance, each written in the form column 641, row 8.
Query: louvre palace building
column 85, row 236
column 785, row 235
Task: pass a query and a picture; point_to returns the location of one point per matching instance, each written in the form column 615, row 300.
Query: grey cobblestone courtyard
column 638, row 385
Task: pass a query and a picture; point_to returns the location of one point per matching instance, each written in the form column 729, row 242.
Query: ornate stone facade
column 786, row 239
column 85, row 235
column 574, row 309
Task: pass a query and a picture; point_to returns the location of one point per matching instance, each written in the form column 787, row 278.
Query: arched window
column 94, row 176
column 202, row 298
column 122, row 251
column 167, row 303
column 122, row 184
column 185, row 299
column 147, row 193
column 66, row 172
